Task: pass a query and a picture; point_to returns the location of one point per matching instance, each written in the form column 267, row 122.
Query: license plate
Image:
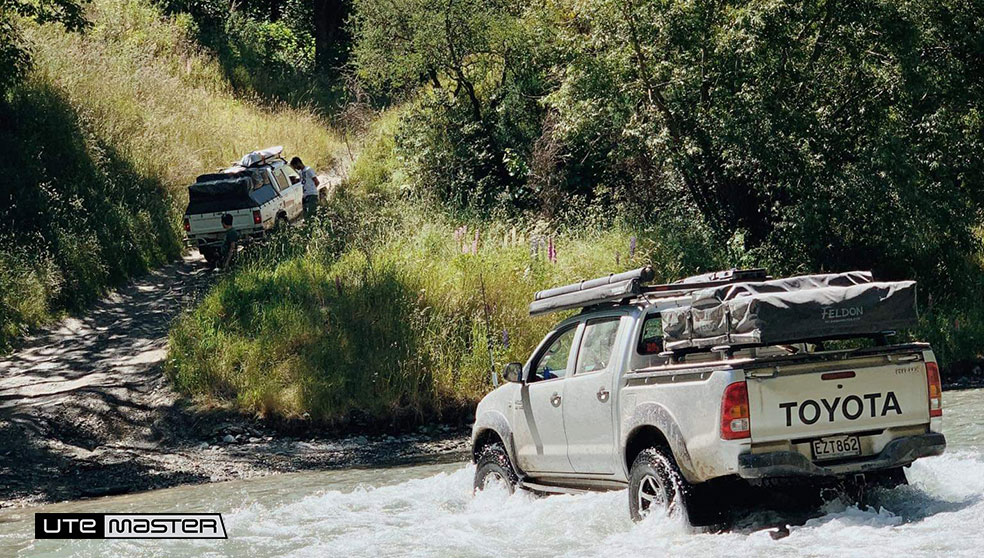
column 836, row 447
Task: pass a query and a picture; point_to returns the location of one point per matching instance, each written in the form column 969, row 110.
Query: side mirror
column 513, row 372
column 294, row 180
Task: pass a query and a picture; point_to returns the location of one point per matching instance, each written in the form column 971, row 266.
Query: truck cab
column 601, row 404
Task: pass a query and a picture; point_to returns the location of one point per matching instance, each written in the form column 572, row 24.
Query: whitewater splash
column 942, row 512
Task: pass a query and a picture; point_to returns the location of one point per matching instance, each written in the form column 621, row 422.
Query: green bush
column 379, row 311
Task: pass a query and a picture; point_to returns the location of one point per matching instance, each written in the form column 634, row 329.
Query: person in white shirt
column 311, row 183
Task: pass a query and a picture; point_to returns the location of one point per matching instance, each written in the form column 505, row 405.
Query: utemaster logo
column 129, row 526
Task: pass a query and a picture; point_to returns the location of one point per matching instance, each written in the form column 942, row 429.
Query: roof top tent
column 623, row 287
column 746, row 307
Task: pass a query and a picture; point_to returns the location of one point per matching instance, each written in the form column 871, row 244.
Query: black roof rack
column 624, row 287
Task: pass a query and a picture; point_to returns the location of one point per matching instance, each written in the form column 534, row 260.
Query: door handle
column 555, row 399
column 603, row 394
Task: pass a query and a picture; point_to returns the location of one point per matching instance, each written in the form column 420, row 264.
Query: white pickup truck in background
column 261, row 193
column 602, row 403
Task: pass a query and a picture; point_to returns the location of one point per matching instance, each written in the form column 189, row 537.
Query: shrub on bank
column 387, row 330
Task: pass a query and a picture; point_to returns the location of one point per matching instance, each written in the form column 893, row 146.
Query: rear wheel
column 655, row 483
column 492, row 468
column 281, row 223
column 211, row 254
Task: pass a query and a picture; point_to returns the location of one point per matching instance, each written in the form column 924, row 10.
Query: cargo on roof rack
column 747, row 307
column 792, row 309
column 629, row 285
column 261, row 157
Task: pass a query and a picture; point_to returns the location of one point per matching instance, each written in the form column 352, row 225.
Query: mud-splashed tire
column 655, row 482
column 492, row 465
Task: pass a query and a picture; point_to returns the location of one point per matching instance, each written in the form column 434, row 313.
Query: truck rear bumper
column 218, row 239
column 898, row 452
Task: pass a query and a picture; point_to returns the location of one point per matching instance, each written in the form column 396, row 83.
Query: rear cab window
column 651, row 339
column 649, row 346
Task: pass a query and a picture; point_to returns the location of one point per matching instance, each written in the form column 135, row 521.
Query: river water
column 429, row 510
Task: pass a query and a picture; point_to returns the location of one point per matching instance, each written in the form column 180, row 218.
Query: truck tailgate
column 813, row 399
column 206, row 223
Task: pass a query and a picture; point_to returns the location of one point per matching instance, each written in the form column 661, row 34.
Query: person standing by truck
column 311, row 183
column 231, row 243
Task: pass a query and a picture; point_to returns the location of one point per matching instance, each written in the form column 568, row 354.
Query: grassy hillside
column 100, row 141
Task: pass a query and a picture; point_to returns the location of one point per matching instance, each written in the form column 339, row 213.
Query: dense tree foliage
column 841, row 133
column 815, row 134
column 289, row 51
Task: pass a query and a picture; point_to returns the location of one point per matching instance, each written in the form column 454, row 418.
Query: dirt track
column 85, row 410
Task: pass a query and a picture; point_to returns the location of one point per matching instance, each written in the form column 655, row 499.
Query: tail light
column 735, row 423
column 257, row 218
column 935, row 389
column 187, row 225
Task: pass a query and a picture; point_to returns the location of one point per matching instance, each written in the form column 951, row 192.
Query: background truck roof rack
column 617, row 287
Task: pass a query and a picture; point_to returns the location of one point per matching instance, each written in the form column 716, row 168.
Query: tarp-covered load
column 220, row 186
column 234, row 189
column 792, row 309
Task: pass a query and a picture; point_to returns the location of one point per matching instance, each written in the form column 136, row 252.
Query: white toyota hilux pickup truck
column 261, row 193
column 686, row 392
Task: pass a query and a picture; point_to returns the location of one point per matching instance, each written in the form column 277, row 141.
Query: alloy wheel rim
column 650, row 494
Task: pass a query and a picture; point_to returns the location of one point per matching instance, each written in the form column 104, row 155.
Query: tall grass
column 99, row 143
column 386, row 308
column 399, row 330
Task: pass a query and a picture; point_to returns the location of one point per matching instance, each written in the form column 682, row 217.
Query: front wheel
column 493, row 468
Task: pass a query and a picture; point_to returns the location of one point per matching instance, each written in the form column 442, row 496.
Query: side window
column 292, row 175
column 651, row 340
column 553, row 362
column 262, row 179
column 282, row 182
column 597, row 345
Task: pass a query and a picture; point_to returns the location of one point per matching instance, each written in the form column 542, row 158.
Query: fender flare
column 496, row 422
column 656, row 415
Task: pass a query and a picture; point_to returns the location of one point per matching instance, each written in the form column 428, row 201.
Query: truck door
column 289, row 193
column 540, row 442
column 588, row 420
column 296, row 187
